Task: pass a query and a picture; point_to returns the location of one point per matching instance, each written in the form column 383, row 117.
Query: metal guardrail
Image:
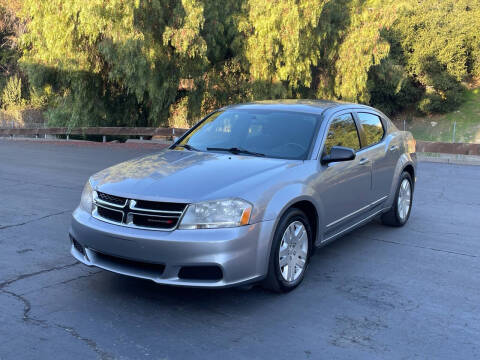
column 112, row 131
column 422, row 146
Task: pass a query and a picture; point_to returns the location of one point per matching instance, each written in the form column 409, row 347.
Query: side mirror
column 339, row 153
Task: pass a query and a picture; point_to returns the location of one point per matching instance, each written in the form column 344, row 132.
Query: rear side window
column 372, row 128
column 342, row 132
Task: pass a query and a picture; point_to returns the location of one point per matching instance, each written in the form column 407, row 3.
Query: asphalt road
column 378, row 293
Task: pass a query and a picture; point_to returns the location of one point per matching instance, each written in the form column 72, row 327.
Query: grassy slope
column 440, row 127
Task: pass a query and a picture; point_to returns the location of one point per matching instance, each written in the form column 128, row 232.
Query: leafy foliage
column 159, row 62
column 283, row 40
column 12, row 92
column 113, row 63
column 362, row 48
column 10, row 29
column 441, row 47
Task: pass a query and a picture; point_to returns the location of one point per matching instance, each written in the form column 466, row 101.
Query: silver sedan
column 246, row 195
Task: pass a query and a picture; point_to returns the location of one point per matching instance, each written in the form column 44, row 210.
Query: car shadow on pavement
column 326, row 263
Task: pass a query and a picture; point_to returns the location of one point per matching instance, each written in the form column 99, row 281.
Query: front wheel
column 291, row 248
column 402, row 205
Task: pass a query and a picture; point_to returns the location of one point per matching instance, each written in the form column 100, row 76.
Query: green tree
column 283, row 40
column 132, row 62
column 441, row 46
column 11, row 27
column 362, row 48
column 113, row 63
column 12, row 92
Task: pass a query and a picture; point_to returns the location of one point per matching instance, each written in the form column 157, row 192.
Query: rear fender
column 404, row 160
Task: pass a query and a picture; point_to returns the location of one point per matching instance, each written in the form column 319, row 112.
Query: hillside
column 440, row 127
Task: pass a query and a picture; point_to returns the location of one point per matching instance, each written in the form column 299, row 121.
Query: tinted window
column 342, row 132
column 278, row 134
column 372, row 127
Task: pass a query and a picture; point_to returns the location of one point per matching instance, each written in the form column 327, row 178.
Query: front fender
column 285, row 198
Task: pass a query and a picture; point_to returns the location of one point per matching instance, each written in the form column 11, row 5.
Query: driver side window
column 342, row 132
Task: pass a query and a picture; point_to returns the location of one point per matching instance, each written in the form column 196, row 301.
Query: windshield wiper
column 236, row 151
column 188, row 147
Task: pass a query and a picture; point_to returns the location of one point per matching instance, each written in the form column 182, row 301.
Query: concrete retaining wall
column 448, row 148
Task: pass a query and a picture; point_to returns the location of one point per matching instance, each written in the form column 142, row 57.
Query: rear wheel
column 291, row 248
column 400, row 212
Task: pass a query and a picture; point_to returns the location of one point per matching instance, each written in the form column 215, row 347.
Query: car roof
column 305, row 106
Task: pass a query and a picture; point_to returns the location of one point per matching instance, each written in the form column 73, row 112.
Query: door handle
column 393, row 147
column 364, row 161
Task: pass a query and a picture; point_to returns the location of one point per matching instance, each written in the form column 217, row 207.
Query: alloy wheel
column 404, row 199
column 293, row 251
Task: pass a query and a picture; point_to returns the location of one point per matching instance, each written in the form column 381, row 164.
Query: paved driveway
column 378, row 293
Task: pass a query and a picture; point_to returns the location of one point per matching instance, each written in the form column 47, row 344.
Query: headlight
column 87, row 198
column 217, row 214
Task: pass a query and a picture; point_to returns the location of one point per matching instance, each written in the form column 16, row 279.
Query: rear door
column 343, row 187
column 375, row 148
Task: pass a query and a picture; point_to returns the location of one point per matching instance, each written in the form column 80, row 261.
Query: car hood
column 186, row 176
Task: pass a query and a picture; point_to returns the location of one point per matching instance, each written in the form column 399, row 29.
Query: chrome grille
column 140, row 214
column 110, row 214
column 111, row 199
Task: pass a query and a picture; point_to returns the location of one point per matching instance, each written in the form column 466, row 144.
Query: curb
column 449, row 158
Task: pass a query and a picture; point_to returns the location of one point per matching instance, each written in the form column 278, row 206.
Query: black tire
column 274, row 280
column 392, row 217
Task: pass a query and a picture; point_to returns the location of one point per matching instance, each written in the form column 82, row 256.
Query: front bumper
column 241, row 253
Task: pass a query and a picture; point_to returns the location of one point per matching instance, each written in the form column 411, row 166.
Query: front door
column 343, row 188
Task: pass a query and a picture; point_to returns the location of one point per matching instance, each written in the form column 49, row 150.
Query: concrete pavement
column 409, row 293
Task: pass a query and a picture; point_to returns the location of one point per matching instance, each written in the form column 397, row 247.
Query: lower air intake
column 213, row 273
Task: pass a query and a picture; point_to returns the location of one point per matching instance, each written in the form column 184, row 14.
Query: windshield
column 277, row 134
